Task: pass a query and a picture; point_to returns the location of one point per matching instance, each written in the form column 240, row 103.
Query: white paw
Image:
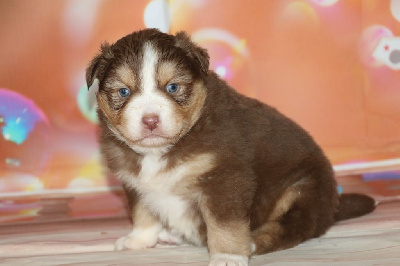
column 166, row 237
column 253, row 247
column 129, row 242
column 137, row 239
column 221, row 259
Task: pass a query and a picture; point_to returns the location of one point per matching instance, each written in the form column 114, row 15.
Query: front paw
column 221, row 259
column 138, row 239
column 167, row 238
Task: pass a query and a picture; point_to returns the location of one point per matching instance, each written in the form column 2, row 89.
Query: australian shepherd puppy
column 202, row 164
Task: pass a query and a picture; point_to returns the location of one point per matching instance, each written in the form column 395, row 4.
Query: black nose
column 150, row 121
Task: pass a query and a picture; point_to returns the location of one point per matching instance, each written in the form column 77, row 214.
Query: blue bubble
column 87, row 104
column 19, row 116
column 25, row 135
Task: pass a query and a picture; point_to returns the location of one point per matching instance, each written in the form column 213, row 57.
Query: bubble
column 87, row 104
column 394, row 57
column 156, row 15
column 79, row 19
column 387, row 52
column 395, row 9
column 91, row 174
column 221, row 71
column 229, row 57
column 368, row 42
column 220, row 35
column 81, row 183
column 25, row 136
column 20, row 182
column 325, row 2
column 300, row 12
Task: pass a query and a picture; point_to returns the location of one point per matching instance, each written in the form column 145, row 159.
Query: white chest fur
column 161, row 190
column 155, row 184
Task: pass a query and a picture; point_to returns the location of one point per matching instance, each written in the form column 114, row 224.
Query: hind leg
column 297, row 216
column 281, row 234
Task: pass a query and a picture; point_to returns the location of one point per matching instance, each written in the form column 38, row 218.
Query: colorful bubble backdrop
column 331, row 65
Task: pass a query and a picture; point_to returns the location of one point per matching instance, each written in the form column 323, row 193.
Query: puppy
column 202, row 164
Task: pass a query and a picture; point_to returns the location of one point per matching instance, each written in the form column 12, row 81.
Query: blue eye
column 124, row 92
column 172, row 88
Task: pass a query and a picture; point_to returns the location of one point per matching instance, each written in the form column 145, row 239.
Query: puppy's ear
column 194, row 51
column 98, row 64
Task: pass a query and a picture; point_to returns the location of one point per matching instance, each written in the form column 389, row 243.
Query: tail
column 354, row 205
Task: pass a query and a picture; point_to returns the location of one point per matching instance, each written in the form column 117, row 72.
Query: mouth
column 149, row 139
column 152, row 135
column 155, row 140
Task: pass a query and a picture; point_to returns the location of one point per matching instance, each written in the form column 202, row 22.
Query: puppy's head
column 150, row 87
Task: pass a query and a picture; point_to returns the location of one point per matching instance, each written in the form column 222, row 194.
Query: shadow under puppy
column 202, row 164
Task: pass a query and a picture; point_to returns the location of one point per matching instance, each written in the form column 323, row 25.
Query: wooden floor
column 370, row 240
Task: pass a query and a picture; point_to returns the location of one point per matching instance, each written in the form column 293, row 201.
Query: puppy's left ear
column 199, row 54
column 98, row 65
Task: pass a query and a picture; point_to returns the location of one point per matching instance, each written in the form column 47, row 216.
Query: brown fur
column 259, row 177
column 229, row 237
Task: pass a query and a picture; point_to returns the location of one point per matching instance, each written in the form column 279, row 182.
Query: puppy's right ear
column 98, row 65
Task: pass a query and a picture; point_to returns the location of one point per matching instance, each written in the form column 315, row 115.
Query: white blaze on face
column 150, row 58
column 150, row 101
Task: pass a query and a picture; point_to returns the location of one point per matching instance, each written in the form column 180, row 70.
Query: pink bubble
column 228, row 53
column 368, row 42
column 325, row 2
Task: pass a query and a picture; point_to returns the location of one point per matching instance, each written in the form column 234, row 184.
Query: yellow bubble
column 240, row 46
column 90, row 175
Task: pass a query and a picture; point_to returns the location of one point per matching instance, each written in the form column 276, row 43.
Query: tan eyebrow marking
column 126, row 75
column 169, row 71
